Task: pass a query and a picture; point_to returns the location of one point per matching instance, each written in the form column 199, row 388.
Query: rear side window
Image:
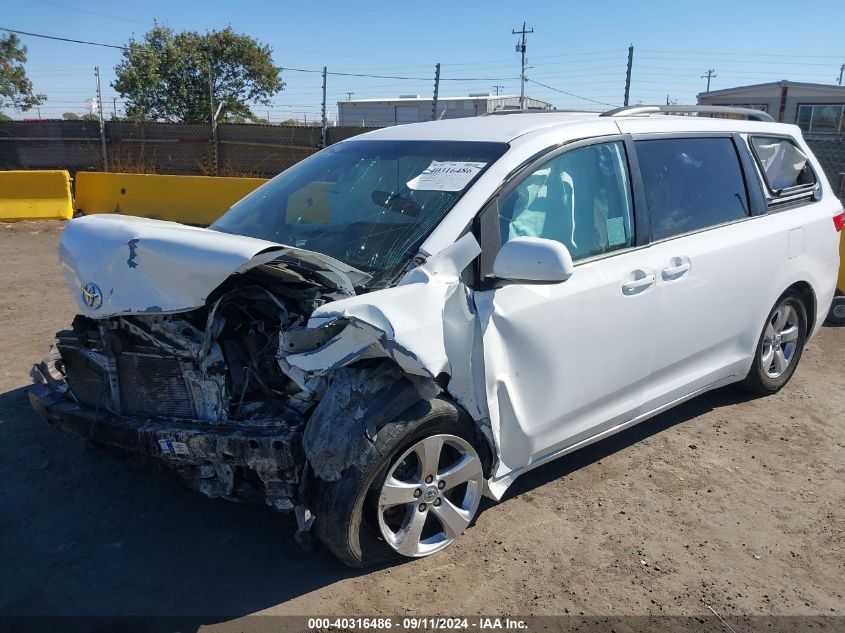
column 691, row 184
column 783, row 165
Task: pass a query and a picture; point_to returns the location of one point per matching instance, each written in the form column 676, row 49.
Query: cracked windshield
column 369, row 204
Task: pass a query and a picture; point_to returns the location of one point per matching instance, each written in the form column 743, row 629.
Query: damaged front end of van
column 245, row 366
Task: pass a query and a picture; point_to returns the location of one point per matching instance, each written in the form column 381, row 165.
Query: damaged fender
column 426, row 324
column 355, row 405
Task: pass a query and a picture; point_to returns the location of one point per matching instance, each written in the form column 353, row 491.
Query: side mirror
column 533, row 259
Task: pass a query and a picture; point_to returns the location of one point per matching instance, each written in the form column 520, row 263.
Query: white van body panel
column 543, row 369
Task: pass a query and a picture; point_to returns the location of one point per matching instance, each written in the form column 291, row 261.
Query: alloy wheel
column 430, row 495
column 780, row 341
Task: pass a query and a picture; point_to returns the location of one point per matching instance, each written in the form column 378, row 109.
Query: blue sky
column 579, row 48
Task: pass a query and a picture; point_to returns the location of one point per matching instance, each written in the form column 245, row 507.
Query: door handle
column 630, row 287
column 679, row 267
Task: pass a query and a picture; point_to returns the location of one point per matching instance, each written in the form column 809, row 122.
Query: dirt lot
column 730, row 502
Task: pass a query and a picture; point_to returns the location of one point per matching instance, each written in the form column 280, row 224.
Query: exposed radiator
column 152, row 385
column 88, row 383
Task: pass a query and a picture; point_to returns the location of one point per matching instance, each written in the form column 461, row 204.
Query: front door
column 564, row 361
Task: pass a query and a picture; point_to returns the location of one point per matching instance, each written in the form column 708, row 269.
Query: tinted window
column 581, row 199
column 782, row 162
column 691, row 183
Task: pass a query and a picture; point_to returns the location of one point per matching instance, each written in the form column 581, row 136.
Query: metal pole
column 841, row 72
column 628, row 74
column 102, row 120
column 323, row 126
column 215, row 158
column 521, row 47
column 436, row 90
column 709, row 75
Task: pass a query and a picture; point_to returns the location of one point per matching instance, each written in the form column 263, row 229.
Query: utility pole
column 709, row 75
column 841, row 72
column 114, row 107
column 214, row 161
column 436, row 91
column 323, row 125
column 628, row 74
column 211, row 95
column 102, row 121
column 349, row 96
column 497, row 88
column 215, row 154
column 520, row 48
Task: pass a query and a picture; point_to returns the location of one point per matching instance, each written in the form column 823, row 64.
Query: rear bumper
column 232, row 461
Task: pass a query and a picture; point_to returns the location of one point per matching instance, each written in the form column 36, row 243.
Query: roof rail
column 748, row 113
column 536, row 111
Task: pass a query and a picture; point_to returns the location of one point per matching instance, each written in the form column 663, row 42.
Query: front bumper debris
column 238, row 462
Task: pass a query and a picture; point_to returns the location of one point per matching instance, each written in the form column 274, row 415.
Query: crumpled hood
column 122, row 264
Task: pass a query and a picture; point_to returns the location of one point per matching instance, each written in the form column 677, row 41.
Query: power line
column 102, row 15
column 62, row 39
column 673, row 53
column 569, row 94
column 308, row 70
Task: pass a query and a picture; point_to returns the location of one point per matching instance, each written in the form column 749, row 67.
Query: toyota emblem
column 92, row 296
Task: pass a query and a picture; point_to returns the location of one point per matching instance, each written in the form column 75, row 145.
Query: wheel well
column 485, row 448
column 808, row 297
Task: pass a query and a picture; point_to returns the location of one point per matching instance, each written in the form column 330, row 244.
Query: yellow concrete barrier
column 196, row 200
column 35, row 195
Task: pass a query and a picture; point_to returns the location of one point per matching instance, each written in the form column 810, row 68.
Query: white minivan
column 416, row 316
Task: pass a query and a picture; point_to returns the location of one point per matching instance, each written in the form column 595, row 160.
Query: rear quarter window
column 784, row 166
column 691, row 184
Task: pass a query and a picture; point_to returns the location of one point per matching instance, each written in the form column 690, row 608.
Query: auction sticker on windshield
column 446, row 176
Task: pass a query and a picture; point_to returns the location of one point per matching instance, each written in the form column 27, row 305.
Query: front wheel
column 779, row 348
column 414, row 492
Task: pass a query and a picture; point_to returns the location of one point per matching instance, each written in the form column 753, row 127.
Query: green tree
column 90, row 117
column 70, row 116
column 165, row 76
column 5, row 117
column 15, row 88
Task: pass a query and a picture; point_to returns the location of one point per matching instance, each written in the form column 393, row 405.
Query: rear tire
column 836, row 316
column 347, row 511
column 779, row 347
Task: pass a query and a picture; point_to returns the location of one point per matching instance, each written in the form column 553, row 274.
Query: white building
column 414, row 108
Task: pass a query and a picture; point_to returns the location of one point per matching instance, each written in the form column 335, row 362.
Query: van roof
column 506, row 128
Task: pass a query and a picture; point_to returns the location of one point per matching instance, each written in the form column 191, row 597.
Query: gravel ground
column 725, row 502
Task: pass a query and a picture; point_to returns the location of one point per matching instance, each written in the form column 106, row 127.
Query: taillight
column 839, row 221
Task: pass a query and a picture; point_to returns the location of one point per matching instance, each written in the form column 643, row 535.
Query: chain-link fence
column 830, row 152
column 163, row 148
column 238, row 150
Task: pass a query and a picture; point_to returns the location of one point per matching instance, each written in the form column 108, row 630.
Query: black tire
column 342, row 508
column 758, row 381
column 836, row 316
